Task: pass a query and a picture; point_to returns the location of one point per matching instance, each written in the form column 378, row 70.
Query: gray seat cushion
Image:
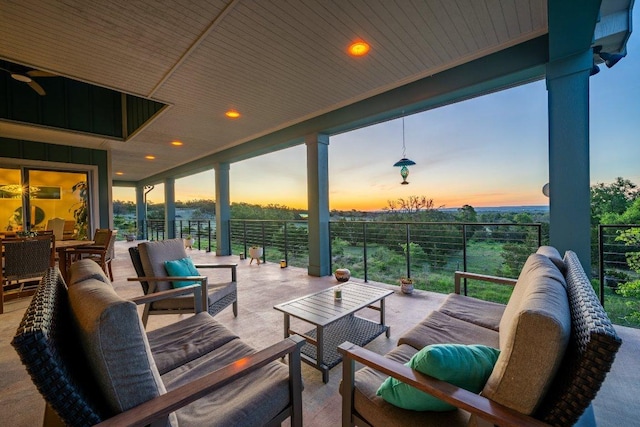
column 248, row 401
column 186, row 340
column 438, row 328
column 216, row 293
column 482, row 313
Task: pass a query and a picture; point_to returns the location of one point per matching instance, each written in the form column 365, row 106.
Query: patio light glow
column 176, row 143
column 149, row 157
column 359, row 48
column 232, row 114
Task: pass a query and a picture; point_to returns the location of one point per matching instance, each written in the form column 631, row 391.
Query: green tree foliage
column 631, row 289
column 630, row 216
column 123, row 208
column 614, row 198
column 269, row 212
column 81, row 209
column 467, row 214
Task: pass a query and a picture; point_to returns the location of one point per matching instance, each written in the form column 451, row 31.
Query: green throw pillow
column 181, row 267
column 466, row 366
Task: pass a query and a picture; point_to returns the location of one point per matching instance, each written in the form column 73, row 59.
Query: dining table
column 62, row 246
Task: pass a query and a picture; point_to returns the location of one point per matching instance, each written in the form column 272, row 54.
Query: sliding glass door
column 30, row 197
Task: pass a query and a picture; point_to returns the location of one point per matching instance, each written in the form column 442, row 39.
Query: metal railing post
column 286, row 244
column 264, row 247
column 464, row 254
column 364, row 251
column 601, row 262
column 408, row 255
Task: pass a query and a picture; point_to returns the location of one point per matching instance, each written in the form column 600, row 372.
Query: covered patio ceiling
column 282, row 64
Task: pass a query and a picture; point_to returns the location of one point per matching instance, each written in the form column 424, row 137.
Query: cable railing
column 202, row 232
column 614, row 270
column 426, row 252
column 378, row 251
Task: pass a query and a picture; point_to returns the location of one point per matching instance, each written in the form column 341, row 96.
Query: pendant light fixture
column 404, row 162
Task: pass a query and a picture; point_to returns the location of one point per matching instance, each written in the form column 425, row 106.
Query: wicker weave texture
column 222, row 303
column 350, row 328
column 26, row 258
column 47, row 351
column 591, row 352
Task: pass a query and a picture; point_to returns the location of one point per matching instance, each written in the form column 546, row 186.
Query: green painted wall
column 73, row 105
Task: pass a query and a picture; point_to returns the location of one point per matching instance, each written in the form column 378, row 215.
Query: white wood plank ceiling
column 278, row 62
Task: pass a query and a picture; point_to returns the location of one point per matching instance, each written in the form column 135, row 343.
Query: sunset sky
column 488, row 151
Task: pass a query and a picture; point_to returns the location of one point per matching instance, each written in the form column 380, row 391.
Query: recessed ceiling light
column 176, row 143
column 119, row 173
column 149, row 157
column 232, row 114
column 359, row 48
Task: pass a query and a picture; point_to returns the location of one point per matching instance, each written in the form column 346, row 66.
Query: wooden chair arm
column 232, row 266
column 485, row 408
column 171, row 293
column 153, row 280
column 159, row 407
column 167, row 279
column 459, row 275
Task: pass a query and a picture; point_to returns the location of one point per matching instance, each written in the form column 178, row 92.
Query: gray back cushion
column 553, row 254
column 534, row 340
column 154, row 254
column 86, row 269
column 113, row 339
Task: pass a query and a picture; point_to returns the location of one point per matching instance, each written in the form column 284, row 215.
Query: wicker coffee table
column 335, row 322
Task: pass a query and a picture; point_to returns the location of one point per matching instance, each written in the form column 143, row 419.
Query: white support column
column 223, row 209
column 569, row 178
column 318, row 204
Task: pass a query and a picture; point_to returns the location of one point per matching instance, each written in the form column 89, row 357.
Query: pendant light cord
column 403, row 147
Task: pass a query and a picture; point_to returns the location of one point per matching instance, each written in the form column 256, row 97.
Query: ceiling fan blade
column 35, row 86
column 40, row 73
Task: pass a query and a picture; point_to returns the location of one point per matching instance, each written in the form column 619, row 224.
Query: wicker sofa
column 89, row 356
column 556, row 346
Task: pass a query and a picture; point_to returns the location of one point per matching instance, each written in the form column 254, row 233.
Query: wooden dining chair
column 101, row 251
column 25, row 260
column 57, row 226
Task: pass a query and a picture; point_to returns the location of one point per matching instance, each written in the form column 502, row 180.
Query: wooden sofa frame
column 593, row 339
column 43, row 344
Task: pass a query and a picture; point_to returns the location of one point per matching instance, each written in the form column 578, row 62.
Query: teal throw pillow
column 465, row 366
column 181, row 267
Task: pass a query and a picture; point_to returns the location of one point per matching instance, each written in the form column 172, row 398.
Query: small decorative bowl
column 342, row 275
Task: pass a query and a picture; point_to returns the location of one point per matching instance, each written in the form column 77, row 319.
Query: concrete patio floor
column 260, row 287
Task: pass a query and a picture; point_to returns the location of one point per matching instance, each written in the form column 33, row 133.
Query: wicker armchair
column 25, row 260
column 148, row 260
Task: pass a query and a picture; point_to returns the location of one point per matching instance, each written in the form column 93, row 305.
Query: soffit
column 277, row 62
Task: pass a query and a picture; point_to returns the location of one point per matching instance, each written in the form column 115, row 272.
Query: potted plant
column 130, row 236
column 406, row 285
column 255, row 252
column 188, row 241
